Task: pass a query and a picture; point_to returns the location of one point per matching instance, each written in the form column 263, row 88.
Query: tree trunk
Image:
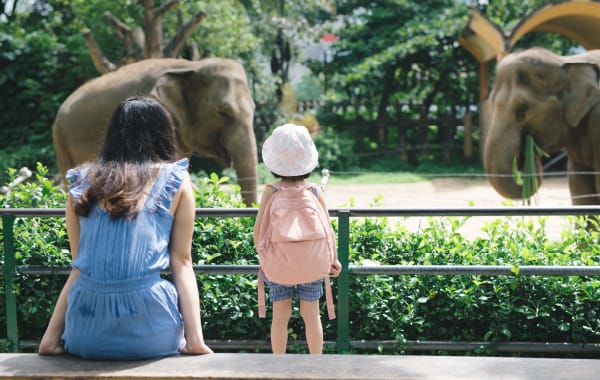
column 100, row 62
column 380, row 122
column 445, row 126
column 403, row 122
column 184, row 31
column 422, row 130
column 147, row 42
column 153, row 27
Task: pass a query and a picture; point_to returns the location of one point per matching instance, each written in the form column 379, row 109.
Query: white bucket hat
column 290, row 151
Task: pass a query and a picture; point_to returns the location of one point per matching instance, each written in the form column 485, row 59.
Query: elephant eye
column 521, row 112
column 225, row 113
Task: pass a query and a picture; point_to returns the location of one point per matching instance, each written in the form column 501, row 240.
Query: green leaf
column 517, row 177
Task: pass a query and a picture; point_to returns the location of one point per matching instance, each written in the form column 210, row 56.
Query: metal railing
column 342, row 343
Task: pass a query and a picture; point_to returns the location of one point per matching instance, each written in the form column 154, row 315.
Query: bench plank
column 299, row 367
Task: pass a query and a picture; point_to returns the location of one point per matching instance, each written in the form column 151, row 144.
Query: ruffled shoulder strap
column 78, row 182
column 167, row 184
column 275, row 186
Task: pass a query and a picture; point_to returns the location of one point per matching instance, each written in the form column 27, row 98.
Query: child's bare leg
column 282, row 311
column 311, row 314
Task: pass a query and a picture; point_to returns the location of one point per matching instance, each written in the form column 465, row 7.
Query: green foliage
column 460, row 307
column 528, row 178
column 38, row 241
column 309, row 88
column 394, row 65
column 333, row 148
column 43, row 58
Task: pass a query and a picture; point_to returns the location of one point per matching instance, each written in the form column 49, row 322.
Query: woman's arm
column 183, row 271
column 50, row 344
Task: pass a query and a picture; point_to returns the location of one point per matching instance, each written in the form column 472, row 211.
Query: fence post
column 343, row 290
column 12, row 331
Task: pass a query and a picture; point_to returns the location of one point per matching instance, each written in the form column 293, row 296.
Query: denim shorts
column 310, row 291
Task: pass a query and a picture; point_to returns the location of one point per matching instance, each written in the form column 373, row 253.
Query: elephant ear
column 581, row 90
column 170, row 90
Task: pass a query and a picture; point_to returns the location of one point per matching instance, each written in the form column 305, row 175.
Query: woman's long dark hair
column 140, row 135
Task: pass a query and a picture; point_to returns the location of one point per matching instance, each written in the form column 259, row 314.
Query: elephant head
column 209, row 100
column 540, row 94
column 213, row 114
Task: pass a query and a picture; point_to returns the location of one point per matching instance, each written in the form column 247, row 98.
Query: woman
column 130, row 215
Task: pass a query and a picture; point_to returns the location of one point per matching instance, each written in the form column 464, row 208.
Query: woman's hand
column 195, row 349
column 50, row 347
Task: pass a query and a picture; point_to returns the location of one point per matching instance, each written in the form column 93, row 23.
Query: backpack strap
column 262, row 311
column 329, row 298
column 328, row 293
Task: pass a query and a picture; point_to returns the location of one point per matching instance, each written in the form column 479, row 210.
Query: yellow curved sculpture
column 578, row 20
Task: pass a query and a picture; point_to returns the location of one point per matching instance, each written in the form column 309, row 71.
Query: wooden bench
column 298, row 366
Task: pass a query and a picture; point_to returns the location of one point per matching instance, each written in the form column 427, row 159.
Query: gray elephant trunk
column 247, row 179
column 499, row 168
column 245, row 160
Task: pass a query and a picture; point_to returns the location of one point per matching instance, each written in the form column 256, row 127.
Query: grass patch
column 370, row 178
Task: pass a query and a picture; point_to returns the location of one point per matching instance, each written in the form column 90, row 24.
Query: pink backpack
column 295, row 241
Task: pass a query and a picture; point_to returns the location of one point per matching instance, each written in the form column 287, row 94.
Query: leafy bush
column 383, row 307
column 554, row 309
column 38, row 241
column 331, row 146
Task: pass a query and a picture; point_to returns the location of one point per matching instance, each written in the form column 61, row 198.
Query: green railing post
column 12, row 331
column 343, row 290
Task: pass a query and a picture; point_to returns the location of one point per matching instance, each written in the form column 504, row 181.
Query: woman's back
column 120, row 307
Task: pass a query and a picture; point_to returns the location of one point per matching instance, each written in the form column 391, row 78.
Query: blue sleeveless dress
column 119, row 307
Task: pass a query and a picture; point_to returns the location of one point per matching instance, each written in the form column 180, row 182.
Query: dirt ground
column 448, row 193
column 443, row 192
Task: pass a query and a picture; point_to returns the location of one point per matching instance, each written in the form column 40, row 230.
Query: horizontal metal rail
column 482, row 270
column 358, row 212
column 432, row 270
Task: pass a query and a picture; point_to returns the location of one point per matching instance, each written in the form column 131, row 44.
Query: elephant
column 555, row 100
column 209, row 101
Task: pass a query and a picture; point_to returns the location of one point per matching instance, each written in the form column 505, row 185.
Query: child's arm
column 336, row 266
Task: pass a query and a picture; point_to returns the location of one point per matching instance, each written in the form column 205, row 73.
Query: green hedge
column 419, row 307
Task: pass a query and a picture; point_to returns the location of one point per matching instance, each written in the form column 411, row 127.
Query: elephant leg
column 583, row 186
column 584, row 191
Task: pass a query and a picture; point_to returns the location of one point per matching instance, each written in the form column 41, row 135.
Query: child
column 291, row 155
